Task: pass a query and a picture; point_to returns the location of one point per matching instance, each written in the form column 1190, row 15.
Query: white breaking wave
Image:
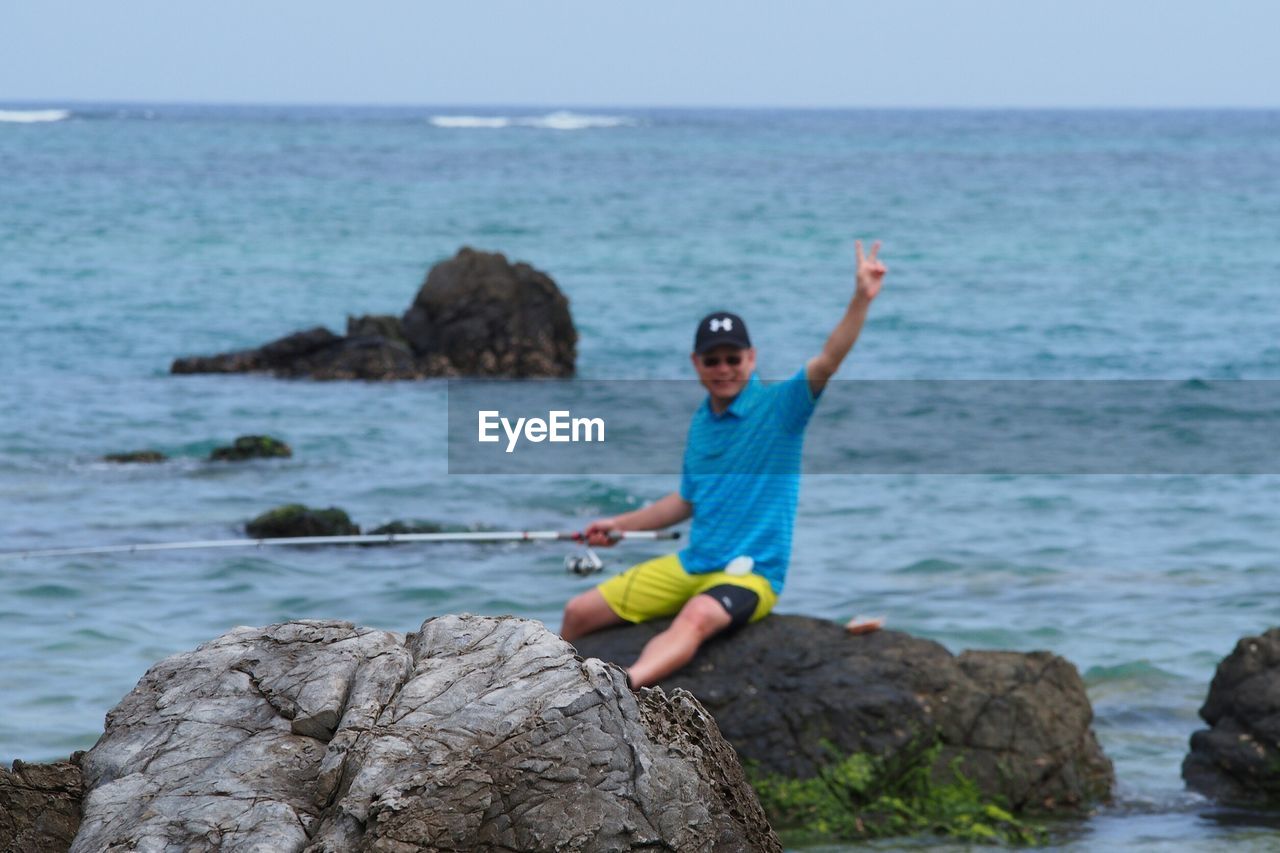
column 470, row 121
column 551, row 121
column 30, row 116
column 574, row 121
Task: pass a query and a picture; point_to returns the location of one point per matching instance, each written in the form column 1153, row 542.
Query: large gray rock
column 471, row 734
column 1237, row 760
column 789, row 691
column 475, row 315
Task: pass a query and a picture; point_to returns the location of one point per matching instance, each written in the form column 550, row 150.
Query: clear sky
column 564, row 53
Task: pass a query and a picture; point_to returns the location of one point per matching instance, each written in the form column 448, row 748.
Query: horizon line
column 495, row 105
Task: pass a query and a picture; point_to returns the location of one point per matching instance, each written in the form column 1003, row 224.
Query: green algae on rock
column 861, row 797
column 299, row 520
column 252, row 447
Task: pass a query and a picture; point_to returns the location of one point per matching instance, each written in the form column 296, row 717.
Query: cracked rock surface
column 785, row 688
column 39, row 806
column 471, row 734
column 1237, row 759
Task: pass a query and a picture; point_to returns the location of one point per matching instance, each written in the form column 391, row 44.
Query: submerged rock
column 399, row 527
column 795, row 695
column 475, row 315
column 136, row 456
column 40, row 806
column 293, row 520
column 1236, row 760
column 470, row 734
column 252, row 447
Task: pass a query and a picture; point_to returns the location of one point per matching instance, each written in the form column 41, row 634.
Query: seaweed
column 860, row 796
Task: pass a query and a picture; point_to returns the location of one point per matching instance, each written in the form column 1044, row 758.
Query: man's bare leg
column 586, row 613
column 701, row 618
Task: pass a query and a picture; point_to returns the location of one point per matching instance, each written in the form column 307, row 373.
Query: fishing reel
column 586, row 563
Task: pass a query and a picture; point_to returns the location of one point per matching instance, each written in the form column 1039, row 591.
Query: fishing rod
column 578, row 564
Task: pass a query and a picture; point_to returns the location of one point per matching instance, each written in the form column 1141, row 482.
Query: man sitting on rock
column 740, row 484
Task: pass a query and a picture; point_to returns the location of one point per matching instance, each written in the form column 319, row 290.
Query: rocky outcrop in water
column 1236, row 760
column 134, row 457
column 485, row 317
column 475, row 315
column 794, row 694
column 40, row 806
column 293, row 520
column 470, row 734
column 399, row 527
column 251, row 447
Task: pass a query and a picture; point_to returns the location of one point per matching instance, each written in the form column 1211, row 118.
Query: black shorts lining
column 738, row 601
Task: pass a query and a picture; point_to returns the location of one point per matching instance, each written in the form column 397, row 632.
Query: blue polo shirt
column 742, row 475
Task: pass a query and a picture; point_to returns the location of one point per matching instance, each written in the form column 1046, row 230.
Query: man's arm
column 870, row 276
column 663, row 512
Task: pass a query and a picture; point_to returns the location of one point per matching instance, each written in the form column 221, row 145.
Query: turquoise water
column 1020, row 244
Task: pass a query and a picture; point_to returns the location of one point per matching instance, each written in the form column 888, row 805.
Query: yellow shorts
column 660, row 587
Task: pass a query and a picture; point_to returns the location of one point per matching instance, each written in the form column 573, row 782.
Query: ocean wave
column 574, row 121
column 560, row 120
column 1134, row 673
column 470, row 121
column 32, row 116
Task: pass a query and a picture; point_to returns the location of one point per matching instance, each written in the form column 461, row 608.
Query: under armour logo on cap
column 722, row 328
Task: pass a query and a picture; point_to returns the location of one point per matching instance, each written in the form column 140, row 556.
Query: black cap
column 721, row 329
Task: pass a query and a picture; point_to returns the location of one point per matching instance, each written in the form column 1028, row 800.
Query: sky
column 567, row 53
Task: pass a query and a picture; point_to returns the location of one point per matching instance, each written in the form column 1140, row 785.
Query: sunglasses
column 714, row 360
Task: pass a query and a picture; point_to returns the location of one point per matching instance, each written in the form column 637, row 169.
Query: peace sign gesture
column 870, row 271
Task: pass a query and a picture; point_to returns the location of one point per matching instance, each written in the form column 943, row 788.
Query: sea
column 1027, row 245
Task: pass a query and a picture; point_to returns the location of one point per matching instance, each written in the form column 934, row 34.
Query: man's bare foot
column 864, row 624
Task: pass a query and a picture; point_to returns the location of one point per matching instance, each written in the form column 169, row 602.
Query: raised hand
column 871, row 271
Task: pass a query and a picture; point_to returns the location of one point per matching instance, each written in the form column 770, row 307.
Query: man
column 740, row 484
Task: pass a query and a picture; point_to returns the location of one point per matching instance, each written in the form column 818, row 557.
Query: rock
column 40, row 806
column 252, row 447
column 365, row 357
column 399, row 527
column 487, row 317
column 136, row 456
column 376, row 325
column 793, row 694
column 475, row 315
column 298, row 520
column 275, row 357
column 470, row 734
column 1236, row 761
